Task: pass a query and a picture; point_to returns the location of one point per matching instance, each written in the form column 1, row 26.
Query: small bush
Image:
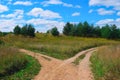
column 54, row 31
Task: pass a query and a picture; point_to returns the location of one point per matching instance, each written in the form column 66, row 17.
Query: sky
column 46, row 14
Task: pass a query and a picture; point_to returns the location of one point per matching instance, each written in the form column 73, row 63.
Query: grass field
column 15, row 65
column 59, row 47
column 106, row 63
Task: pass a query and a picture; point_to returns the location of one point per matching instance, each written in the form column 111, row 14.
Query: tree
column 17, row 30
column 24, row 30
column 106, row 31
column 86, row 29
column 97, row 31
column 54, row 31
column 48, row 32
column 67, row 29
column 79, row 30
column 1, row 34
column 30, row 31
column 73, row 30
column 114, row 32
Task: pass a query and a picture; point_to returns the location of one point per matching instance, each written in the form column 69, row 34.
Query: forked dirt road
column 55, row 69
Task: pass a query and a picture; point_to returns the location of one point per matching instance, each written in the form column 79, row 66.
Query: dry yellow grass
column 106, row 63
column 59, row 47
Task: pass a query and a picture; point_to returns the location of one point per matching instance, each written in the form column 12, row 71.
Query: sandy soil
column 55, row 69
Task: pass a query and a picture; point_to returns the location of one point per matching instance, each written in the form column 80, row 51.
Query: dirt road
column 55, row 69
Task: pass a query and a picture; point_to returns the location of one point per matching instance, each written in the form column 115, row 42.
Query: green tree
column 106, row 31
column 114, row 32
column 1, row 34
column 54, row 31
column 48, row 32
column 67, row 30
column 97, row 31
column 73, row 31
column 17, row 30
column 79, row 29
column 86, row 29
column 24, row 30
column 31, row 31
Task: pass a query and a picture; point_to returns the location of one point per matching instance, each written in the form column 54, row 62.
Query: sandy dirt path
column 55, row 69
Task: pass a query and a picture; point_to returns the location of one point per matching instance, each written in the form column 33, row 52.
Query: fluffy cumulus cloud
column 25, row 3
column 3, row 8
column 9, row 21
column 18, row 14
column 107, row 3
column 46, row 24
column 76, row 14
column 102, row 11
column 47, row 14
column 58, row 2
column 109, row 21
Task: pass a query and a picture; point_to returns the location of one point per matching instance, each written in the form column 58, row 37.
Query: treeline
column 26, row 30
column 86, row 30
column 81, row 30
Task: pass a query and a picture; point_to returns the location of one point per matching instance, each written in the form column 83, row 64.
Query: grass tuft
column 77, row 60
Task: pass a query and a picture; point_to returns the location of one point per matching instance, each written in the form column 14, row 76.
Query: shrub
column 55, row 32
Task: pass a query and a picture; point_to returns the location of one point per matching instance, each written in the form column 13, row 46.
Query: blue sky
column 46, row 14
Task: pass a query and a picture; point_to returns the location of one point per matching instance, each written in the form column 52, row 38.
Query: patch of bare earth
column 55, row 69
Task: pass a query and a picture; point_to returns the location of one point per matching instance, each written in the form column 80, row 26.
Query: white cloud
column 90, row 11
column 76, row 14
column 3, row 8
column 18, row 14
column 67, row 5
column 7, row 25
column 77, row 6
column 25, row 3
column 46, row 24
column 51, row 2
column 109, row 21
column 41, row 25
column 58, row 2
column 102, row 11
column 47, row 14
column 107, row 3
column 118, row 13
column 9, row 2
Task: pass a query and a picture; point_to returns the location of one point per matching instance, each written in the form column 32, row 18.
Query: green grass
column 106, row 63
column 62, row 47
column 77, row 60
column 17, row 66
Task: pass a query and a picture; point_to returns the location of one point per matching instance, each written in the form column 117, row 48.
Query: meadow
column 106, row 63
column 16, row 65
column 61, row 47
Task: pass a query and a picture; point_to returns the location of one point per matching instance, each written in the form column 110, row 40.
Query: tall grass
column 59, row 47
column 11, row 61
column 15, row 65
column 106, row 63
